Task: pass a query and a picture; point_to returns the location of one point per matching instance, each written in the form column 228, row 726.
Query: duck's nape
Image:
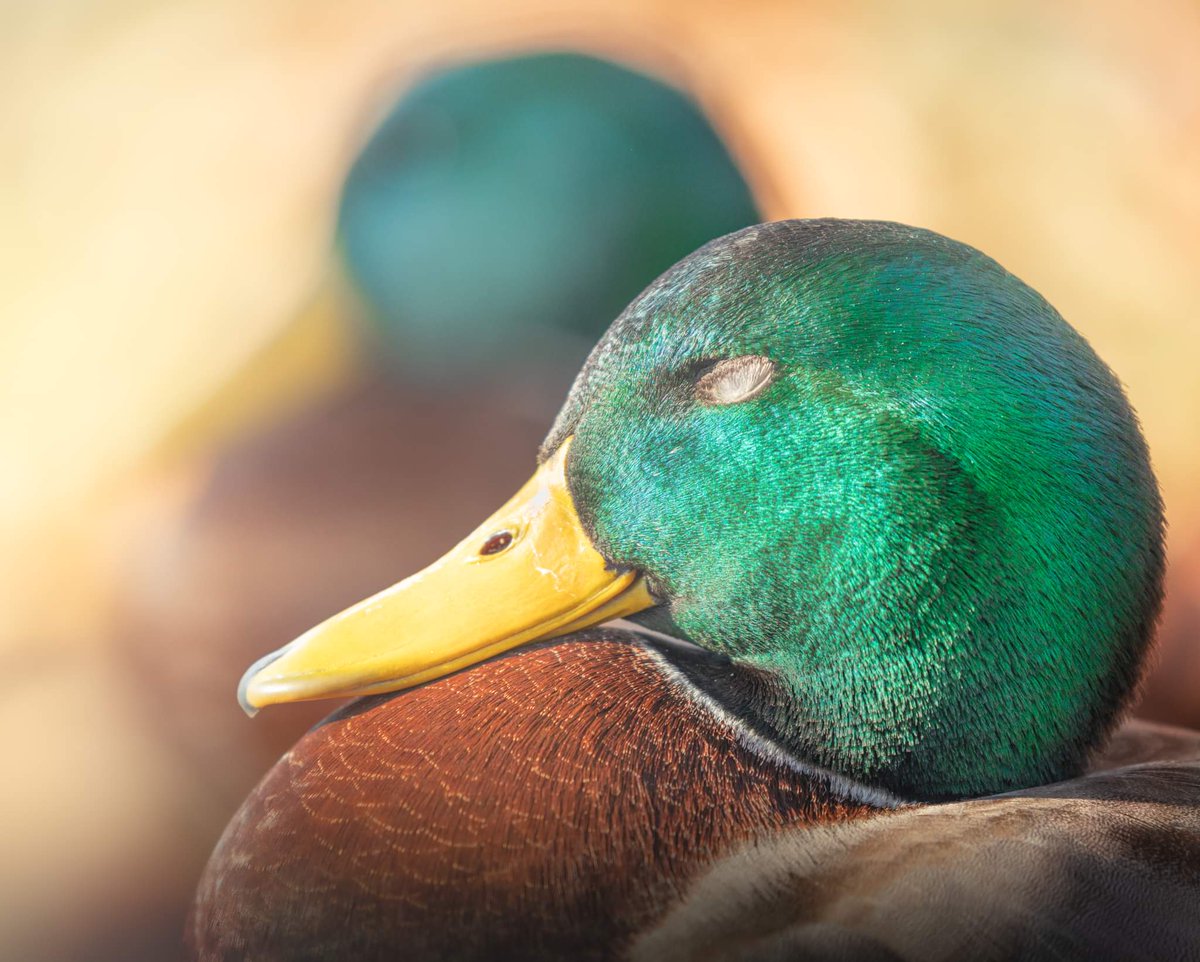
column 879, row 474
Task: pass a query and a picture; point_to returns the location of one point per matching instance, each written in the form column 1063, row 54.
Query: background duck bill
column 528, row 573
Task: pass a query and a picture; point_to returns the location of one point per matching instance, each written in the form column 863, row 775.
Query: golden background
column 170, row 172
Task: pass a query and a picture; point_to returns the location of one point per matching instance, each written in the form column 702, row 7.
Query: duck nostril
column 496, row 543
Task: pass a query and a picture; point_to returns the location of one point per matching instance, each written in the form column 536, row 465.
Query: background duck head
column 505, row 212
column 877, row 477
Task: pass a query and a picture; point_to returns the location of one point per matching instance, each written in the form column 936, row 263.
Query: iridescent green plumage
column 907, row 517
column 931, row 548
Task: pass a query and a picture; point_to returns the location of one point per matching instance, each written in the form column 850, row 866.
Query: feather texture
column 545, row 805
column 1102, row 867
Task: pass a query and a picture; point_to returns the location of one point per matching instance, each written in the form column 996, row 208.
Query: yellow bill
column 528, row 573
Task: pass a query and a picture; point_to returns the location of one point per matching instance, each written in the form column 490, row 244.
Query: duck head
column 460, row 220
column 902, row 505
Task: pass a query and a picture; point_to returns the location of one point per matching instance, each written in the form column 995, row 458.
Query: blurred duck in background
column 504, row 213
column 495, row 223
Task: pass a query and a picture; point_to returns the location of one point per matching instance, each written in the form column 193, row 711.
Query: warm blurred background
column 284, row 311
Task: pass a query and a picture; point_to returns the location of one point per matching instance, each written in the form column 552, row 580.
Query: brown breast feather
column 549, row 804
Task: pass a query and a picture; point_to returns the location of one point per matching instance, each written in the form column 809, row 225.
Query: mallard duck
column 889, row 537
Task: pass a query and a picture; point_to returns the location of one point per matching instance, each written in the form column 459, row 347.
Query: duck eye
column 735, row 379
column 496, row 543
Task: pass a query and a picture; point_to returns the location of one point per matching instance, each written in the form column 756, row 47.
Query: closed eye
column 735, row 379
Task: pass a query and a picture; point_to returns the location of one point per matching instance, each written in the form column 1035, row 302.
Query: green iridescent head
column 887, row 480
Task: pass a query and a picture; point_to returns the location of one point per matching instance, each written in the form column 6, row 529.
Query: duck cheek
column 623, row 512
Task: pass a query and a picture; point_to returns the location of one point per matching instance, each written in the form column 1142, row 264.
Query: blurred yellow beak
column 528, row 573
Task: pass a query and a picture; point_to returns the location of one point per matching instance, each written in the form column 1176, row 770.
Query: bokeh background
column 222, row 417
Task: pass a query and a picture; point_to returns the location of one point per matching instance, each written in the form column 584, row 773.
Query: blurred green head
column 506, row 211
column 888, row 481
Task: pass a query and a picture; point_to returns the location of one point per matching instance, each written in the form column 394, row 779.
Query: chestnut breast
column 548, row 804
